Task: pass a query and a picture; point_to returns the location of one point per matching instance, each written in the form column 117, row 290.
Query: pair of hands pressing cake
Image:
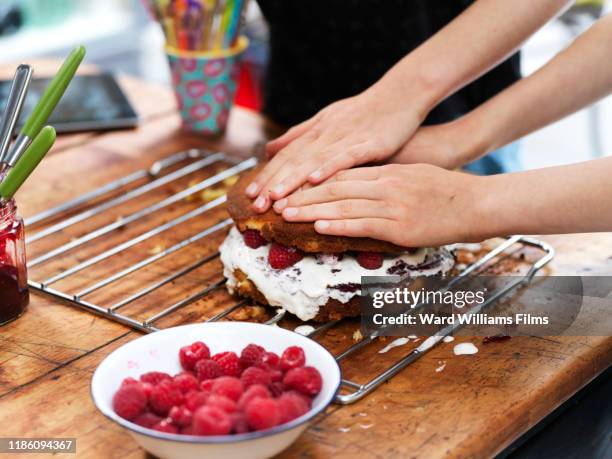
column 314, row 175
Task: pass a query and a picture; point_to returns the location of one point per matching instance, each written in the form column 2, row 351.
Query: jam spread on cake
column 303, row 282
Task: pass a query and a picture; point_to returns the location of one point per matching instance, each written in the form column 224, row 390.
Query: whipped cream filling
column 307, row 285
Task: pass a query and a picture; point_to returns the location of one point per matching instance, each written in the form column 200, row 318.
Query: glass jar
column 14, row 296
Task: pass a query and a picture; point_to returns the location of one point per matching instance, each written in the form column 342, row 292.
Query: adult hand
column 408, row 205
column 449, row 145
column 369, row 127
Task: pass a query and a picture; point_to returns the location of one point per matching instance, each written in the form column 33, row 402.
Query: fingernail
column 260, row 202
column 322, row 225
column 251, row 189
column 278, row 189
column 290, row 212
column 316, row 175
column 280, row 204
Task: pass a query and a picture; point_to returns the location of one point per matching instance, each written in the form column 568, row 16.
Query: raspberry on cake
column 281, row 256
column 316, row 277
column 253, row 239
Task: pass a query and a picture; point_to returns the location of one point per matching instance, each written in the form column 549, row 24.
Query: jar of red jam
column 14, row 296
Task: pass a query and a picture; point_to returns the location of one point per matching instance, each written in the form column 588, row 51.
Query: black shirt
column 325, row 50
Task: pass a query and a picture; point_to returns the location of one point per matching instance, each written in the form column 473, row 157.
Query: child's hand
column 408, row 205
column 369, row 127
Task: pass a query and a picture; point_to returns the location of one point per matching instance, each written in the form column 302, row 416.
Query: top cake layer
column 274, row 228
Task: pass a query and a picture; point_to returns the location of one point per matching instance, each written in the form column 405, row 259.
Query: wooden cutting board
column 474, row 407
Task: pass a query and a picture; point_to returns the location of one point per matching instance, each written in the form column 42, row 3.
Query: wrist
column 471, row 139
column 412, row 91
column 490, row 208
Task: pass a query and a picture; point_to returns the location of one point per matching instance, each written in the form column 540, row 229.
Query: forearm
column 576, row 77
column 482, row 36
column 556, row 200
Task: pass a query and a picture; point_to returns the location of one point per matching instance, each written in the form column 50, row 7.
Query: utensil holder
column 204, row 85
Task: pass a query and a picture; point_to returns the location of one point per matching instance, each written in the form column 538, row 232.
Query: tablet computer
column 91, row 102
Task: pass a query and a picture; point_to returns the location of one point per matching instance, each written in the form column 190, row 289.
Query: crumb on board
column 256, row 313
column 157, row 249
column 357, row 336
column 230, row 180
column 210, row 194
column 465, row 257
column 192, row 197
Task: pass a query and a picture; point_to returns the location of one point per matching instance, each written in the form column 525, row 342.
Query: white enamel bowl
column 159, row 352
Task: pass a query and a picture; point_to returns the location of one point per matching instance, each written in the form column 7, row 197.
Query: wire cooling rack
column 142, row 199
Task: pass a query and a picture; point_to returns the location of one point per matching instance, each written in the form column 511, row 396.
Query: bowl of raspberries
column 224, row 389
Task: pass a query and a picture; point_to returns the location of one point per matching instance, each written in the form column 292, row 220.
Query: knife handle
column 28, row 162
column 53, row 93
column 14, row 104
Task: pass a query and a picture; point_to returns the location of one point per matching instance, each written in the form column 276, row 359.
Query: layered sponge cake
column 314, row 276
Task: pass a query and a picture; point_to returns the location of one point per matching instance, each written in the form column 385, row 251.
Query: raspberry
column 307, row 400
column 165, row 426
column 254, row 375
column 239, row 423
column 222, row 402
column 129, row 401
column 291, row 406
column 148, row 388
column 180, row 415
column 276, row 375
column 370, row 260
column 281, row 256
column 293, row 357
column 208, row 369
column 129, row 380
column 164, row 396
column 195, row 399
column 185, row 382
column 189, row 355
column 269, row 361
column 219, row 356
column 154, row 377
column 250, row 355
column 229, row 362
column 147, row 419
column 306, row 380
column 253, row 238
column 186, row 430
column 262, row 413
column 277, row 389
column 254, row 391
column 210, row 420
column 206, row 386
column 228, row 386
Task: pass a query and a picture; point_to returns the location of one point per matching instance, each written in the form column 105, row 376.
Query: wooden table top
column 477, row 406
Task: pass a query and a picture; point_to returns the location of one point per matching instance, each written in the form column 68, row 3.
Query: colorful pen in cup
column 199, row 25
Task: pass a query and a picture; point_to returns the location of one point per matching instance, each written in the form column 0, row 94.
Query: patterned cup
column 204, row 85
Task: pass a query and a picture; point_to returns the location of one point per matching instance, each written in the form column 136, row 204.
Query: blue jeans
column 505, row 159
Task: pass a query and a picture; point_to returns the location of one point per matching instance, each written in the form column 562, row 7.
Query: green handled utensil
column 33, row 155
column 53, row 93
